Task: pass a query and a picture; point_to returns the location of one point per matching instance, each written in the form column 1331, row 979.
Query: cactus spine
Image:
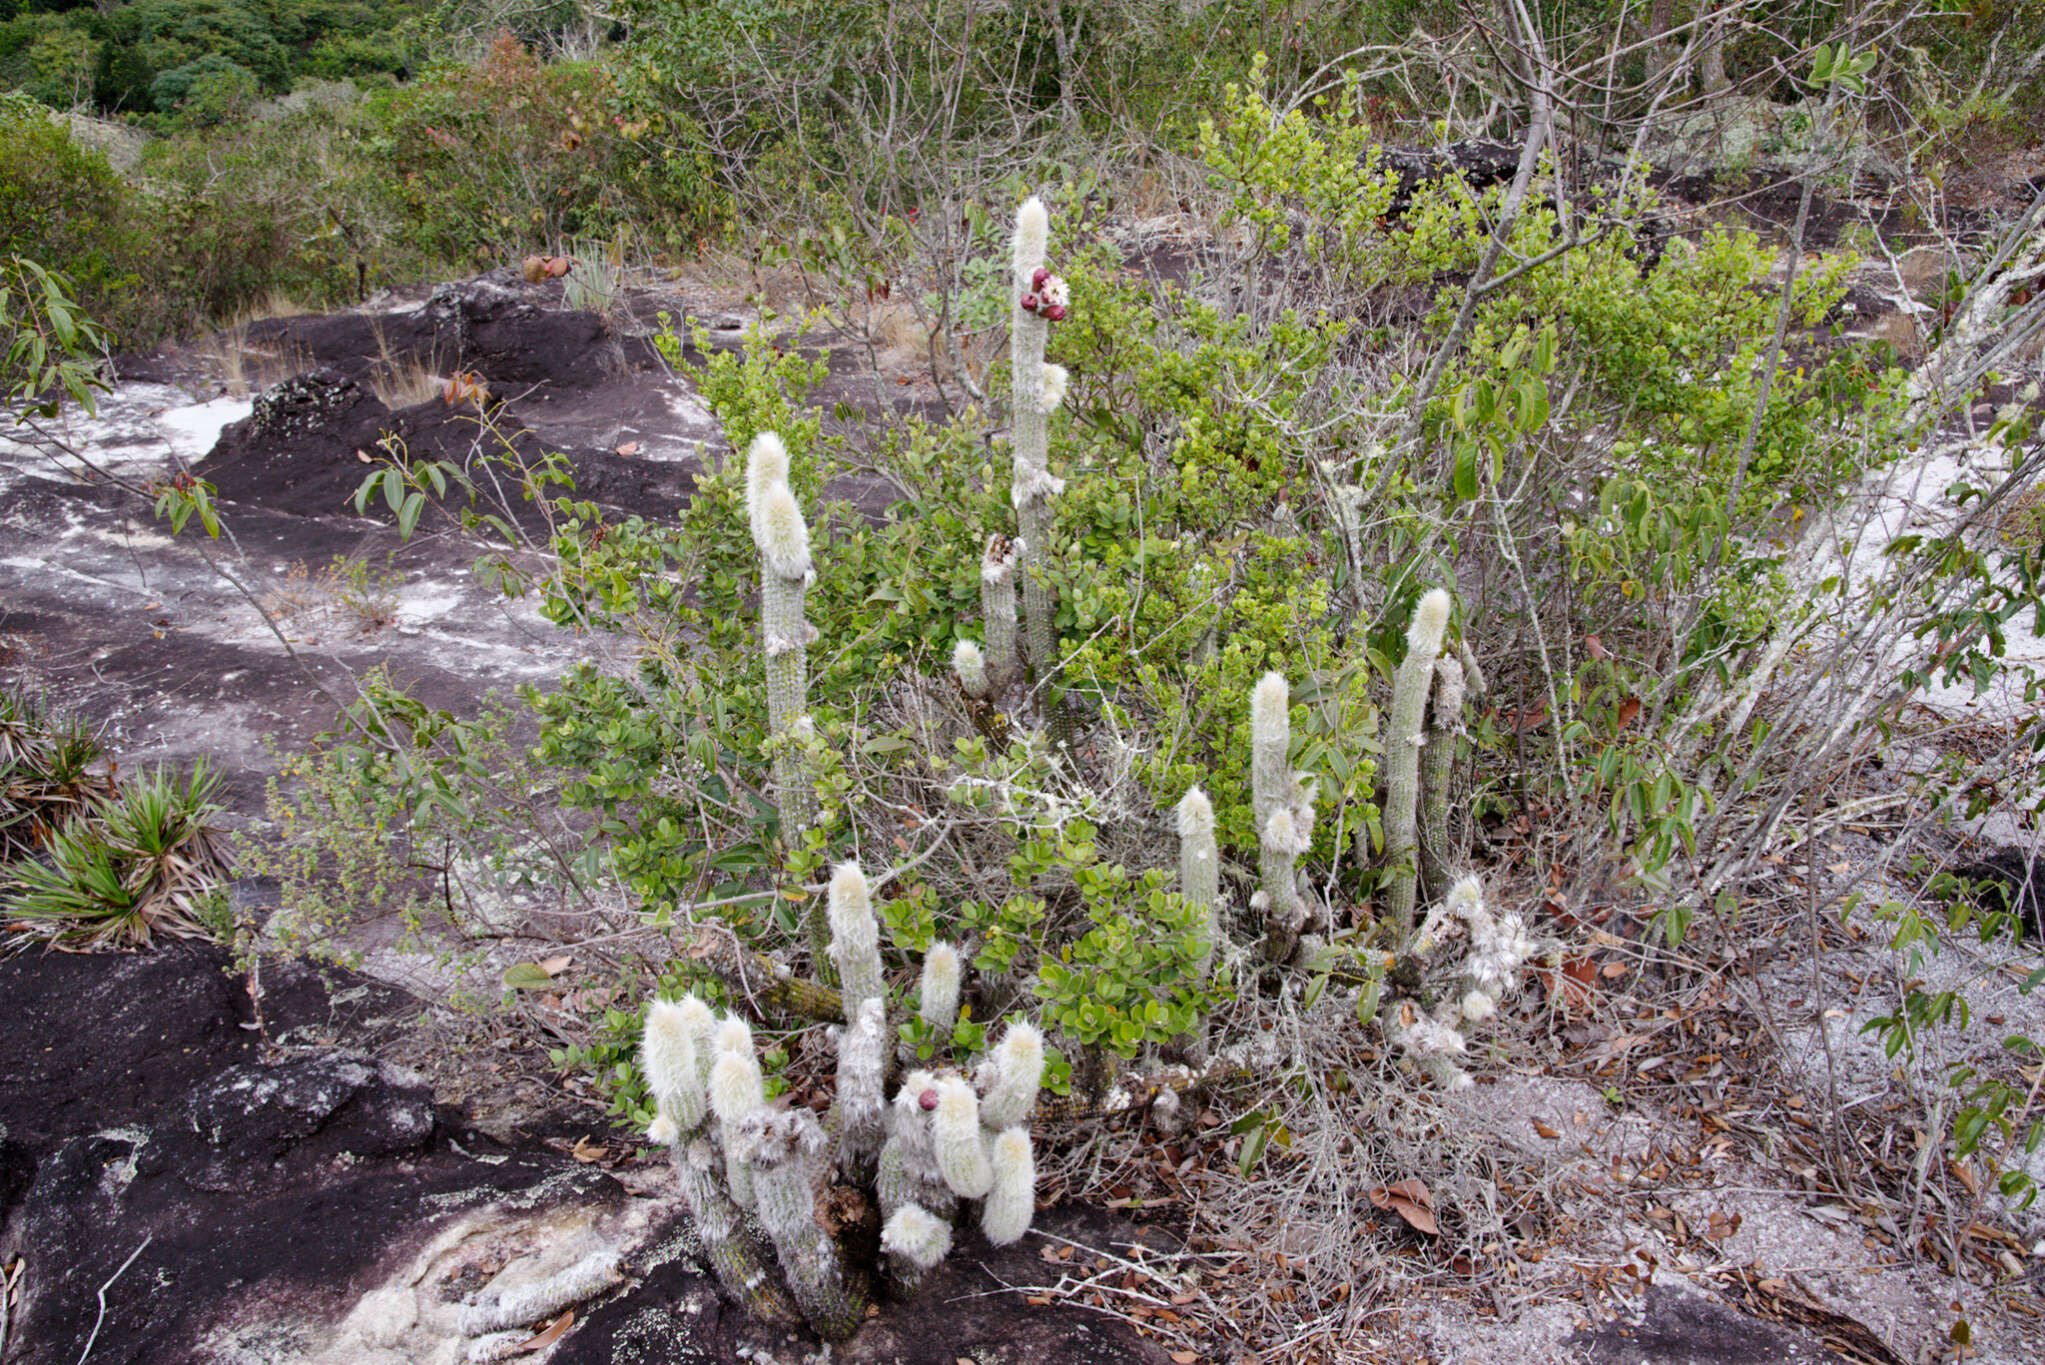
column 1437, row 771
column 1283, row 803
column 1033, row 486
column 1410, row 688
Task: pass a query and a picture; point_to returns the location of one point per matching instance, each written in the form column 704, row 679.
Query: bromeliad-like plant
column 138, row 863
column 915, row 1159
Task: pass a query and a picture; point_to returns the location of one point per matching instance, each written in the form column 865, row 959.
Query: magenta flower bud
column 927, row 1100
column 1029, row 303
column 1038, row 276
column 1054, row 313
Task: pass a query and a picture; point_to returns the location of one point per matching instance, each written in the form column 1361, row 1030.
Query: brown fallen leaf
column 1037, row 1301
column 549, row 1334
column 586, row 1151
column 629, row 448
column 1545, row 1131
column 1184, row 1357
column 1411, row 1200
column 553, row 966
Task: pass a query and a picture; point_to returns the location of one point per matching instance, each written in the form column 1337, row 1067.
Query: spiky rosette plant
column 942, row 1146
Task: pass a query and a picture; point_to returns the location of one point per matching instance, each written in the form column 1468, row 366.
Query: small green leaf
column 527, row 976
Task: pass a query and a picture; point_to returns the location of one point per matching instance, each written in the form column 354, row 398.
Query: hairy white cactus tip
column 735, row 1088
column 970, row 664
column 732, row 1034
column 918, row 1234
column 667, row 1049
column 701, row 1023
column 1032, row 235
column 1478, row 1006
column 1022, row 1053
column 851, row 907
column 1056, row 378
column 941, row 972
column 1282, row 833
column 663, row 1131
column 1196, row 814
column 766, row 465
column 780, row 532
column 1270, row 703
column 1011, row 1202
column 1430, row 622
column 957, row 1105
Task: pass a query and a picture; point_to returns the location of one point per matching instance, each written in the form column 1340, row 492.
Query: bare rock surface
column 234, row 1203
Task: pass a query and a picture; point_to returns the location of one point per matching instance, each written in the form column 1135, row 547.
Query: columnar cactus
column 1410, row 688
column 1437, row 773
column 782, row 538
column 1200, row 872
column 937, row 1003
column 997, row 612
column 855, row 937
column 969, row 666
column 1283, row 803
column 1038, row 389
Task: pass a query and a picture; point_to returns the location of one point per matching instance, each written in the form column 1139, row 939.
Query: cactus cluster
column 756, row 1176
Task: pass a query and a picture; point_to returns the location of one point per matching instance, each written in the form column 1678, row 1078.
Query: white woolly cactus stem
column 1200, row 872
column 969, row 666
column 937, row 1002
column 1032, row 486
column 1010, row 1077
column 782, row 538
column 766, row 465
column 588, row 1277
column 1437, row 773
column 855, row 937
column 862, row 1062
column 1410, row 687
column 1012, row 1200
column 790, row 1155
column 908, row 1172
column 955, row 1131
column 737, row 1091
column 997, row 611
column 667, row 1056
column 1283, row 803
